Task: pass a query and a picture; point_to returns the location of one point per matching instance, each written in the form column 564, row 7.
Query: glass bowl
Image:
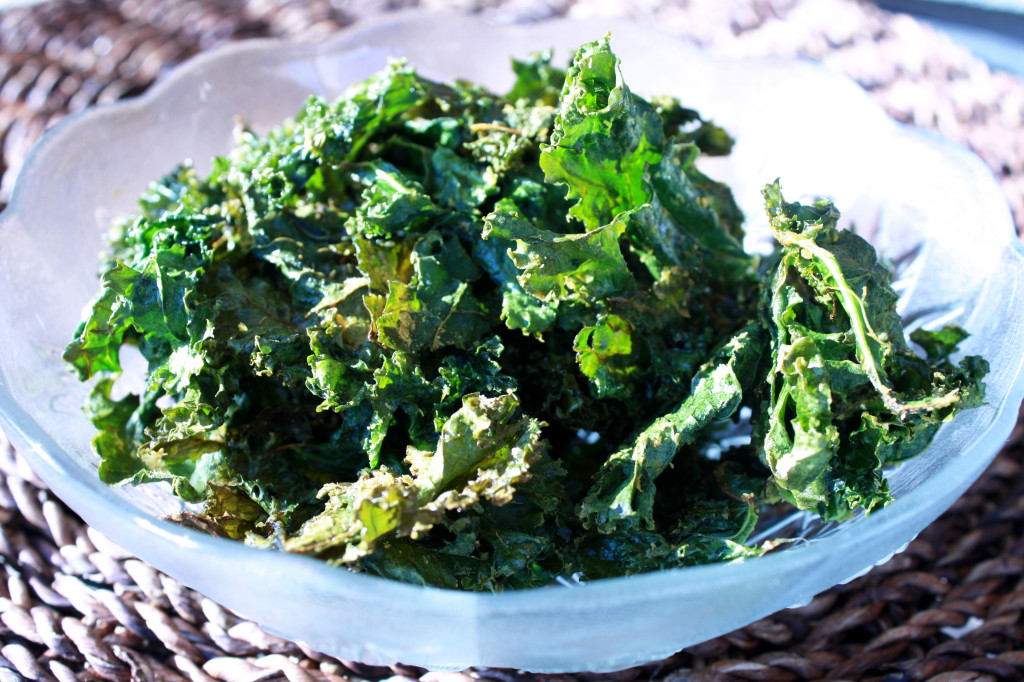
column 931, row 208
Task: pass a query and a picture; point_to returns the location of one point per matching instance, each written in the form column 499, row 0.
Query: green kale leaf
column 487, row 342
column 847, row 395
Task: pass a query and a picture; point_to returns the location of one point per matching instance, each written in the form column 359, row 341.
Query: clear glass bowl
column 930, row 207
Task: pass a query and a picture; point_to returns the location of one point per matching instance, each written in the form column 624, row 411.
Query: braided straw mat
column 73, row 606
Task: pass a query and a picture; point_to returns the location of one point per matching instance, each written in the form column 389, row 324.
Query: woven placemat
column 75, row 607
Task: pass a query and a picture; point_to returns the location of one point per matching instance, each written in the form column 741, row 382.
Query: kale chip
column 483, row 342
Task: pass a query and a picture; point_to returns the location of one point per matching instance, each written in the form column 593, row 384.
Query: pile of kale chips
column 452, row 338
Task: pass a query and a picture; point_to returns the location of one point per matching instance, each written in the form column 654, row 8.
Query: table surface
column 73, row 606
column 992, row 29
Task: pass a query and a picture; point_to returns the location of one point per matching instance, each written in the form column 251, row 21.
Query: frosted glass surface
column 931, row 208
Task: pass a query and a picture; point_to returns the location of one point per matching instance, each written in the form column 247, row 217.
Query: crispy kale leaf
column 482, row 454
column 481, row 342
column 846, row 395
column 624, row 492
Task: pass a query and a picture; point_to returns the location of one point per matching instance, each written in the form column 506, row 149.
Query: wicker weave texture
column 75, row 607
